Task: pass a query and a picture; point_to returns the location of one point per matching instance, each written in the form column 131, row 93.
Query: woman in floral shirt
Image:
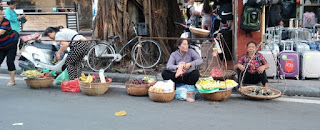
column 256, row 68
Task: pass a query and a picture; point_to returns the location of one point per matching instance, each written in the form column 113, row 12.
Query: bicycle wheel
column 150, row 54
column 97, row 58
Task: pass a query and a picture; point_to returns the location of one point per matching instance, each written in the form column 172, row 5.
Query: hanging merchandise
column 225, row 11
column 274, row 16
column 309, row 19
column 288, row 9
column 250, row 19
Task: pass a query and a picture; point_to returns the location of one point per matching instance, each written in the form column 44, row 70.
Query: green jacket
column 12, row 16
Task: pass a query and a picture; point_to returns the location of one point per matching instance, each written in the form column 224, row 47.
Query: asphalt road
column 50, row 108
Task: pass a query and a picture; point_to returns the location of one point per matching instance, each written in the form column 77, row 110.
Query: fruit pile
column 156, row 90
column 144, row 80
column 91, row 78
column 137, row 81
column 31, row 74
column 216, row 72
column 166, row 86
column 209, row 84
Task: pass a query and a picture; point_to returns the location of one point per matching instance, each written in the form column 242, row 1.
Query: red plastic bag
column 216, row 72
column 70, row 86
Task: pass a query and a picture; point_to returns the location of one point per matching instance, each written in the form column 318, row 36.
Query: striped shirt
column 9, row 36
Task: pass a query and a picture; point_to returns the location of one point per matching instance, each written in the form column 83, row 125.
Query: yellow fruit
column 120, row 113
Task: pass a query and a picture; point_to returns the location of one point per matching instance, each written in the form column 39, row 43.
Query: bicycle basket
column 142, row 29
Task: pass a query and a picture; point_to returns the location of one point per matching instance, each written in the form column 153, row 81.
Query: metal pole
column 263, row 24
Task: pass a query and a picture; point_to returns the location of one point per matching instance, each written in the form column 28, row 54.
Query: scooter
column 38, row 55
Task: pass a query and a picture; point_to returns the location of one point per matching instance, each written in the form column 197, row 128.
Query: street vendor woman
column 182, row 65
column 78, row 48
column 256, row 63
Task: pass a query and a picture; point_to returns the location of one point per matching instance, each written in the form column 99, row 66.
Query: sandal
column 11, row 84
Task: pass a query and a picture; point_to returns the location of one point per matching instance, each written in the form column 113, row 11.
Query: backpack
column 250, row 19
column 288, row 9
column 309, row 19
column 225, row 11
column 274, row 16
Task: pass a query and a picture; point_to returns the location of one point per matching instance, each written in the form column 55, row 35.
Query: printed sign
column 289, row 66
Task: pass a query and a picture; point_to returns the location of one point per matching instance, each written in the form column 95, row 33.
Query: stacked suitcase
column 299, row 56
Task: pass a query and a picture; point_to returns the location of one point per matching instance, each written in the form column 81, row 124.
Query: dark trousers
column 77, row 51
column 10, row 53
column 253, row 78
column 188, row 78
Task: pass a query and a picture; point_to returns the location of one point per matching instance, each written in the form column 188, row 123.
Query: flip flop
column 11, row 84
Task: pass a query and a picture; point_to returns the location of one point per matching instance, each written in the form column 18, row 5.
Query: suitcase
column 310, row 62
column 300, row 47
column 289, row 61
column 312, row 45
column 271, row 58
column 318, row 45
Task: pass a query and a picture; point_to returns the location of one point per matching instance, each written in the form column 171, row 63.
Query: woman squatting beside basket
column 256, row 63
column 78, row 48
column 182, row 65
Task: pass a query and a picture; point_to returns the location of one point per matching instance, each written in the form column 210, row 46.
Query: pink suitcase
column 289, row 62
column 310, row 63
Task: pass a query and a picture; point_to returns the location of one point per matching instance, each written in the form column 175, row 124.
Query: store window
column 47, row 5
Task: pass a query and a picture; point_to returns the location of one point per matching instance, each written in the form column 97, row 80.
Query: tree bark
column 113, row 19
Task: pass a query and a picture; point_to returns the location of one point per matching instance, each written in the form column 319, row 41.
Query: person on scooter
column 78, row 48
column 8, row 46
column 256, row 68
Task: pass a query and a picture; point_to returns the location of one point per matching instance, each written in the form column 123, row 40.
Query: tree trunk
column 113, row 19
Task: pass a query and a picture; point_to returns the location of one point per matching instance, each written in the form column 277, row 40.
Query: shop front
column 40, row 14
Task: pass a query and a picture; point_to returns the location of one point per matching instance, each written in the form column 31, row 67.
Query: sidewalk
column 290, row 87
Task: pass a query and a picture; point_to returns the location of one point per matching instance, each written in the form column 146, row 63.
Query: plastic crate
column 142, row 29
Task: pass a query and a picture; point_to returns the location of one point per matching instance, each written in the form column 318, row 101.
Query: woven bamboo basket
column 161, row 97
column 228, row 74
column 199, row 32
column 94, row 89
column 218, row 96
column 244, row 91
column 39, row 82
column 137, row 90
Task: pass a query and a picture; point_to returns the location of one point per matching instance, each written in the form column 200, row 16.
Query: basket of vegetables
column 92, row 85
column 36, row 79
column 215, row 90
column 162, row 91
column 139, row 87
column 259, row 93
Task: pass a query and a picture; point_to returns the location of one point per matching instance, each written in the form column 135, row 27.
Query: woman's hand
column 187, row 66
column 261, row 69
column 58, row 58
column 241, row 67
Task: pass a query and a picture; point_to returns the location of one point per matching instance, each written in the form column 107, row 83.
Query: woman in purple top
column 182, row 65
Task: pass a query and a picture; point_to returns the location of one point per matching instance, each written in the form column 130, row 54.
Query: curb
column 293, row 88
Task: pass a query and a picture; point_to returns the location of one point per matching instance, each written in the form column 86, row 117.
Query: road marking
column 298, row 100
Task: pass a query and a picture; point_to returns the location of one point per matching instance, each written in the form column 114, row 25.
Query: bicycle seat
column 113, row 37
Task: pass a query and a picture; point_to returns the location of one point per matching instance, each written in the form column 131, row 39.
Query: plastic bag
column 63, row 76
column 70, row 86
column 183, row 89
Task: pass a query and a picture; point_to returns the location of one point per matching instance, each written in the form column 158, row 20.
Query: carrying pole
column 263, row 23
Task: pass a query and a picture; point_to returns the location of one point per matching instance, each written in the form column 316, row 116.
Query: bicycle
column 102, row 54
